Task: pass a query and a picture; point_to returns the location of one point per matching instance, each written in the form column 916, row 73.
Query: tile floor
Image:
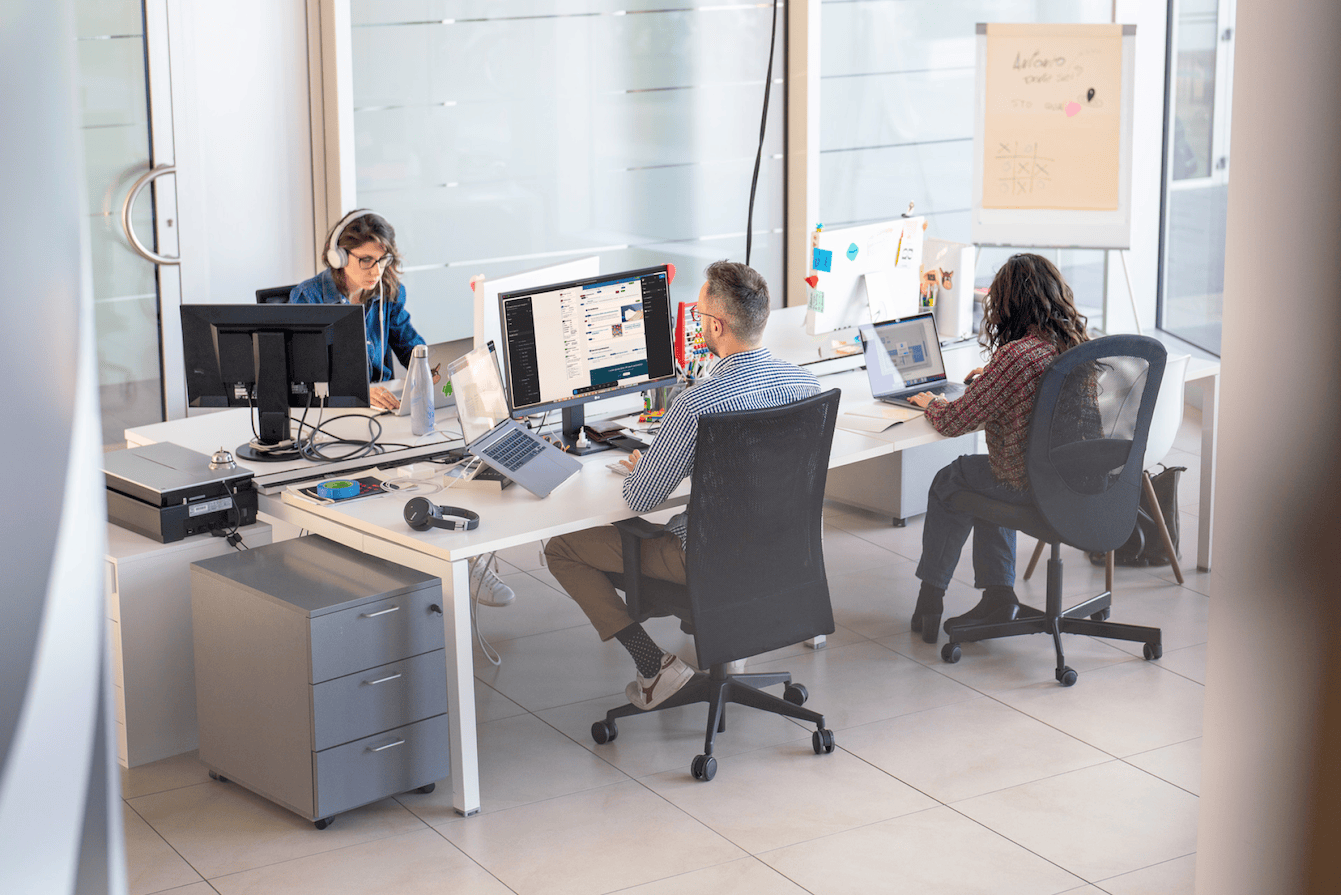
column 985, row 776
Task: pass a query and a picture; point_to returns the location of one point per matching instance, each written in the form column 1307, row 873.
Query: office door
column 126, row 124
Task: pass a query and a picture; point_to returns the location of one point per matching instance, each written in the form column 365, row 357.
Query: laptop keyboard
column 513, row 451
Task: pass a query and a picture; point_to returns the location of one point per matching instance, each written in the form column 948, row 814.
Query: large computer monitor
column 273, row 357
column 570, row 343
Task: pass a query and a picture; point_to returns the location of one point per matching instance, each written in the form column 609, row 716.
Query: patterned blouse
column 1000, row 399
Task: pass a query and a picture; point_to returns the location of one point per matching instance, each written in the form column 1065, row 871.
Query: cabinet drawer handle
column 375, row 614
column 383, row 680
column 387, row 746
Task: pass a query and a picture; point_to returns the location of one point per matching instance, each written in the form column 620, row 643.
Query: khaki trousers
column 580, row 560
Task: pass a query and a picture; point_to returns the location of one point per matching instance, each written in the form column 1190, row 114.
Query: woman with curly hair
column 1029, row 319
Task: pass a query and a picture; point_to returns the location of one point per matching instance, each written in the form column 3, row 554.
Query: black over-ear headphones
column 423, row 514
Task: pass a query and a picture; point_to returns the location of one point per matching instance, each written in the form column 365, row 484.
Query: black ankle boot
column 998, row 604
column 927, row 616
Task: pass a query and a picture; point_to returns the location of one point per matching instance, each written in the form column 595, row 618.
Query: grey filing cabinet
column 321, row 680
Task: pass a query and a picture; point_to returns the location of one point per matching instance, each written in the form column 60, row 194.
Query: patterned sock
column 646, row 654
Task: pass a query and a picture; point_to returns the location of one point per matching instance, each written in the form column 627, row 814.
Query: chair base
column 1089, row 617
column 718, row 688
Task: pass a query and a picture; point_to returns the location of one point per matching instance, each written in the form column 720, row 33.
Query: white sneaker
column 645, row 694
column 485, row 585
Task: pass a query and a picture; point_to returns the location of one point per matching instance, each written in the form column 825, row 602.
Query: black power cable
column 763, row 125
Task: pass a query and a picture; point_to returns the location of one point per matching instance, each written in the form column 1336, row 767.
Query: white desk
column 513, row 517
column 376, row 526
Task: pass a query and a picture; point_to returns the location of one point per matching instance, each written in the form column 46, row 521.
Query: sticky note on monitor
column 823, row 261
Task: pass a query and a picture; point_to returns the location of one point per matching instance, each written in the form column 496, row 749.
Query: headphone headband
column 337, row 257
column 421, row 514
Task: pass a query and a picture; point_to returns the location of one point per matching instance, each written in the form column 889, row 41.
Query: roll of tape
column 337, row 489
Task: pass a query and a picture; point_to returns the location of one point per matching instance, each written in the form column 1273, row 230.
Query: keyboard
column 513, row 451
column 617, row 468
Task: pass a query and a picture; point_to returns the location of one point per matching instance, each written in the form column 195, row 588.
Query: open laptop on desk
column 501, row 442
column 903, row 358
column 439, row 356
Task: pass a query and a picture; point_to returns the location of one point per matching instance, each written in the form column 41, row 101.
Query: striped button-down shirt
column 749, row 380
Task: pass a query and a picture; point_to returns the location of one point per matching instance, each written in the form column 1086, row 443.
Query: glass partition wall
column 1196, row 166
column 114, row 113
column 499, row 138
column 897, row 100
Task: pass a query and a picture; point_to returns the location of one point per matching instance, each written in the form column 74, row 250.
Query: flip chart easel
column 1052, row 144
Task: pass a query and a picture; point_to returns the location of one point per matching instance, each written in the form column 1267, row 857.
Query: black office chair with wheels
column 1084, row 456
column 275, row 295
column 754, row 563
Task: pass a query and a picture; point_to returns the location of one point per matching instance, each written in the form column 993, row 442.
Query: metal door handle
column 140, row 249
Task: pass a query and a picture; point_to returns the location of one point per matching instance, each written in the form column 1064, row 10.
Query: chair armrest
column 632, row 532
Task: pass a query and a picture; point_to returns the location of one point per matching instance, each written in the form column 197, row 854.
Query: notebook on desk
column 903, row 358
column 502, row 443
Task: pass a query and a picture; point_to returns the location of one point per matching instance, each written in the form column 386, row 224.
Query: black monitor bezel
column 545, row 406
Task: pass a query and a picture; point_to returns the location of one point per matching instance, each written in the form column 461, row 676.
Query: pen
column 898, row 251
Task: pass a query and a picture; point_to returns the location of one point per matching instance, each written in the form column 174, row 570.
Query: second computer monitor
column 570, row 343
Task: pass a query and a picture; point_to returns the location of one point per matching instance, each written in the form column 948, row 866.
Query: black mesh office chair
column 1084, row 456
column 275, row 295
column 754, row 563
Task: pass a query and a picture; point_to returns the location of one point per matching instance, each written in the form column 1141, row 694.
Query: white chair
column 1164, row 425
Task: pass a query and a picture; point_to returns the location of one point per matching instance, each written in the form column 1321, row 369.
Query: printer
column 167, row 492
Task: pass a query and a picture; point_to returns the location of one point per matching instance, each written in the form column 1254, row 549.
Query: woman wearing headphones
column 1029, row 319
column 363, row 267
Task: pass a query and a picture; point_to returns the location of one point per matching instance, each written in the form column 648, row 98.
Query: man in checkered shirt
column 733, row 309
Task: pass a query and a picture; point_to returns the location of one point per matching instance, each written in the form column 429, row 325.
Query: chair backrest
column 275, row 295
column 1088, row 436
column 755, row 552
column 1168, row 411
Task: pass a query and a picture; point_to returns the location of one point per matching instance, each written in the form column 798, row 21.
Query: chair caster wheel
column 822, row 741
column 951, row 653
column 704, row 767
column 427, row 788
column 323, row 823
column 1066, row 676
column 604, row 732
column 796, row 694
column 1101, row 616
column 1153, row 650
column 220, row 777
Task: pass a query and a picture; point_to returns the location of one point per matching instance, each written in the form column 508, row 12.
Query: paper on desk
column 874, row 417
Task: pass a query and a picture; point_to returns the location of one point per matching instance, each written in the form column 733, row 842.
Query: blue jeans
column 946, row 529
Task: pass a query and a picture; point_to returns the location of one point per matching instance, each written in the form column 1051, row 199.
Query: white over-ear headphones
column 337, row 257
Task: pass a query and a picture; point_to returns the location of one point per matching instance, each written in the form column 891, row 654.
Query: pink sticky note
column 1072, row 109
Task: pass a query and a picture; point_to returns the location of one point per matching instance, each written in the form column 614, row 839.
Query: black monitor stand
column 573, row 419
column 270, row 403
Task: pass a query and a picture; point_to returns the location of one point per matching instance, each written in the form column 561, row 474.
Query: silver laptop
column 502, row 443
column 440, row 355
column 903, row 358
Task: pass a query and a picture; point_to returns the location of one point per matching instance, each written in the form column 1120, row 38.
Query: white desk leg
column 1210, row 396
column 818, row 641
column 461, row 688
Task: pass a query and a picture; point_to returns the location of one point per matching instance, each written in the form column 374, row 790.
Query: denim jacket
column 400, row 338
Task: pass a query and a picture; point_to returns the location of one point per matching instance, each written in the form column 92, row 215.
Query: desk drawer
column 376, row 633
column 382, row 765
column 367, row 702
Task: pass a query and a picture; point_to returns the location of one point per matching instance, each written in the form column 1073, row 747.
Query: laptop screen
column 904, row 353
column 478, row 386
